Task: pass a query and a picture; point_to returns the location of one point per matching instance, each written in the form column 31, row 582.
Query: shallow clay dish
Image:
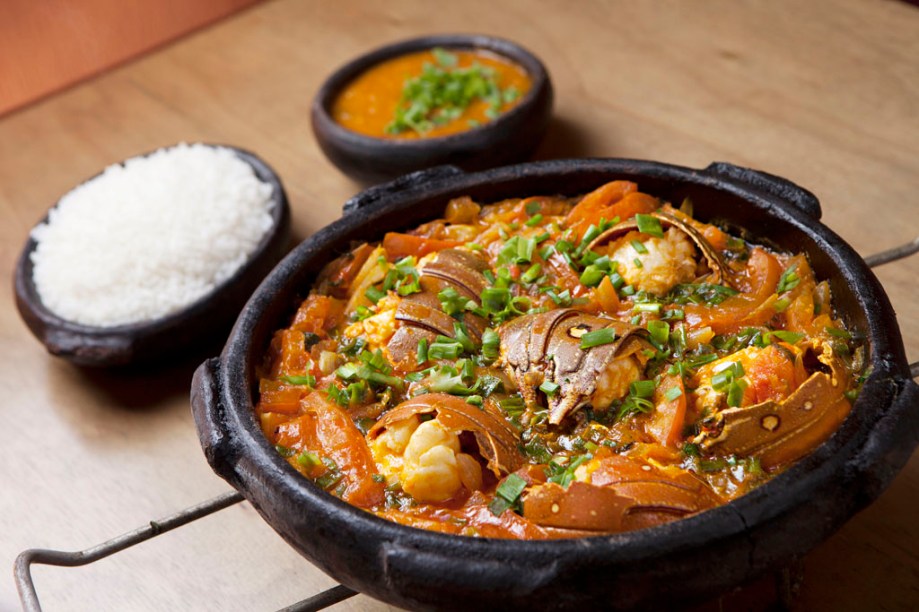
column 509, row 138
column 663, row 567
column 154, row 340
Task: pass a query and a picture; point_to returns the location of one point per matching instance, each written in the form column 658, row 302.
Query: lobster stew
column 554, row 367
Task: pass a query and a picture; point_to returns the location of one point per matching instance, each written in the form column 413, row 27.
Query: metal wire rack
column 788, row 580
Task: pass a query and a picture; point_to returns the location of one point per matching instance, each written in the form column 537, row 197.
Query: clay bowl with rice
column 396, row 109
column 191, row 231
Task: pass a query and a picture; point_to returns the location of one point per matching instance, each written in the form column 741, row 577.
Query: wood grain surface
column 825, row 93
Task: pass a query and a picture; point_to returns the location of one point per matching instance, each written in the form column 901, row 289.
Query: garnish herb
column 507, row 495
column 789, row 279
column 649, row 225
column 598, row 337
column 307, row 379
column 443, row 91
column 700, row 293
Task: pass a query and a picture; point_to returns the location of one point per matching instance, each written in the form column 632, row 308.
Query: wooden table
column 824, row 93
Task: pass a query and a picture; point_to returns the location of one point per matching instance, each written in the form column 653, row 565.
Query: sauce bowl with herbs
column 471, row 101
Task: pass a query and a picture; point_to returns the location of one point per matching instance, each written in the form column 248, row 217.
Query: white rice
column 144, row 240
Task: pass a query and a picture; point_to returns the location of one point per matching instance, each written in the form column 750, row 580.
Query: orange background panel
column 46, row 45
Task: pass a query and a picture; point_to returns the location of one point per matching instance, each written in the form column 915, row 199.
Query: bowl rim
column 342, row 76
column 43, row 322
column 234, row 384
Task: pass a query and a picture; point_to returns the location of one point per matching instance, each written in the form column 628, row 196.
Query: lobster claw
column 497, row 441
column 780, row 432
column 546, row 347
column 420, row 313
column 618, row 494
column 719, row 270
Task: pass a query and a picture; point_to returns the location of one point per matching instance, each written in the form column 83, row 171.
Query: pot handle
column 876, row 463
column 372, row 195
column 770, row 184
column 210, row 420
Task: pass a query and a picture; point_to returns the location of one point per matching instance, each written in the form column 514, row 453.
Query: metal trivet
column 788, row 580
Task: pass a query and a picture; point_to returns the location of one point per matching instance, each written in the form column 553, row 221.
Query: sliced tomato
column 666, row 422
column 750, row 308
column 617, row 199
column 328, row 431
column 318, row 314
column 771, row 375
column 398, row 245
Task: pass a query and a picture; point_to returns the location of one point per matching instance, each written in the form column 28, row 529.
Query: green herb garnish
column 443, row 91
column 598, row 337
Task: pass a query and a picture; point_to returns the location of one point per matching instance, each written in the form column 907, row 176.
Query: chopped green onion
column 498, row 506
column 649, row 225
column 462, row 336
column 839, row 333
column 642, row 388
column 534, row 220
column 673, row 393
column 592, row 276
column 735, row 393
column 284, row 451
column 308, row 459
column 422, row 351
column 512, row 405
column 785, row 336
column 639, row 247
column 475, row 400
column 598, row 337
column 638, row 263
column 660, row 331
column 451, row 349
column 549, row 388
column 647, row 307
column 307, row 379
column 337, row 395
column 491, row 343
column 532, row 207
column 789, row 279
column 511, row 488
column 699, row 293
column 721, row 380
column 531, row 274
column 347, row 372
column 374, row 295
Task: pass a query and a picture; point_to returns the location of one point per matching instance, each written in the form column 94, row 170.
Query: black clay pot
column 153, row 341
column 509, row 138
column 673, row 564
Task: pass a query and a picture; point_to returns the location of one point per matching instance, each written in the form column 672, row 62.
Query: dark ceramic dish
column 510, row 138
column 151, row 341
column 673, row 564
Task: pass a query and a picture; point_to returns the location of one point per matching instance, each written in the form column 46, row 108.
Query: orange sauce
column 368, row 104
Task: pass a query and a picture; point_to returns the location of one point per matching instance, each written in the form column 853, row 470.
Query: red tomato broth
column 658, row 434
column 368, row 104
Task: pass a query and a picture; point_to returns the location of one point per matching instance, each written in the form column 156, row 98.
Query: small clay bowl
column 207, row 319
column 509, row 138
